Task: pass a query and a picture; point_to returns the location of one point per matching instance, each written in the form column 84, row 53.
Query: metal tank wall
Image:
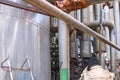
column 24, row 34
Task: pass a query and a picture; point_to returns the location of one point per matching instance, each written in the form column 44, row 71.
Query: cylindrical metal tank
column 23, row 34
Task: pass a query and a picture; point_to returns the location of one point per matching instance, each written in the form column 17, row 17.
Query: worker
column 95, row 71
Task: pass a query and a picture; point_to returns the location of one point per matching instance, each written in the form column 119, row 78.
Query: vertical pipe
column 102, row 50
column 106, row 17
column 85, row 15
column 85, row 43
column 91, row 18
column 63, row 33
column 97, row 9
column 116, row 19
column 101, row 44
column 96, row 43
column 97, row 18
column 79, row 15
column 113, row 51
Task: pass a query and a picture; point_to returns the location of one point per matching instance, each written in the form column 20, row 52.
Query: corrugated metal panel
column 22, row 33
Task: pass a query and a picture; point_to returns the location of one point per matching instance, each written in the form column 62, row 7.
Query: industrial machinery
column 59, row 37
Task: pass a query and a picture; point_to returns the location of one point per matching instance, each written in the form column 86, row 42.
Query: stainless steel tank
column 23, row 34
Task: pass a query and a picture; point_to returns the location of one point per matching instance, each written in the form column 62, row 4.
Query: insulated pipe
column 107, row 35
column 79, row 15
column 117, row 22
column 95, row 24
column 91, row 18
column 85, row 42
column 49, row 8
column 101, row 45
column 97, row 18
column 111, row 26
column 97, row 11
column 91, row 12
column 117, row 26
column 112, row 50
column 63, row 37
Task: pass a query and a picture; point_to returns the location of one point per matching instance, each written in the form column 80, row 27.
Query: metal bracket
column 6, row 68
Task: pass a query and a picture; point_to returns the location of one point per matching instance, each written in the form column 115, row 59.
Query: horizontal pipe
column 21, row 6
column 52, row 10
column 95, row 24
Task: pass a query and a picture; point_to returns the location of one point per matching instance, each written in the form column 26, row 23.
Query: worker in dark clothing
column 95, row 71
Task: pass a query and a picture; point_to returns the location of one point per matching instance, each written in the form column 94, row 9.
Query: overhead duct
column 49, row 8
